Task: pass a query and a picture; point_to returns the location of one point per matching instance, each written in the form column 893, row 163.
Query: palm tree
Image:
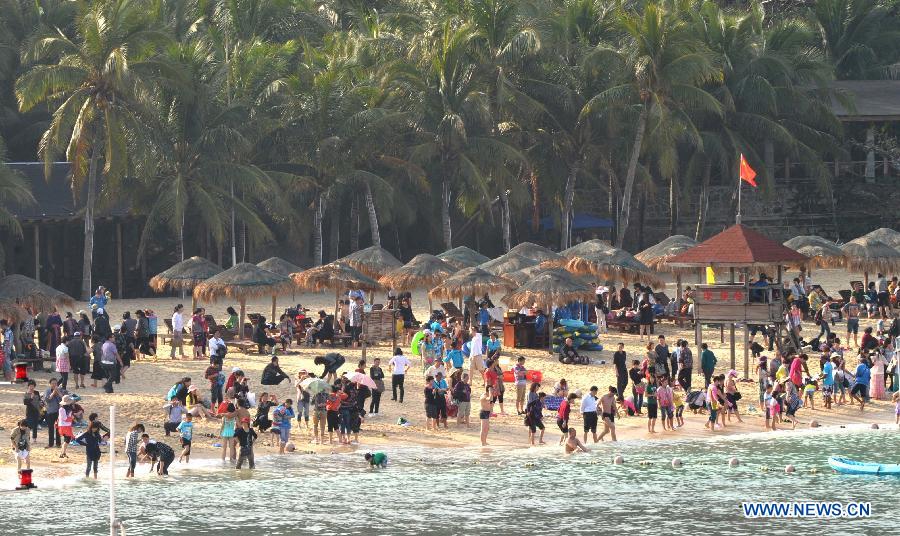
column 95, row 80
column 668, row 68
column 14, row 190
column 860, row 38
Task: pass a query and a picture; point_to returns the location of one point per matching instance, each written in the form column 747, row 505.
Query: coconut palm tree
column 95, row 80
column 14, row 190
column 860, row 38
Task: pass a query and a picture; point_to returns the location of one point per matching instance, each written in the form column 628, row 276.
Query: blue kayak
column 853, row 467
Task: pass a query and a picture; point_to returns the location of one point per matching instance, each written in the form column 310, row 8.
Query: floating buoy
column 529, row 464
column 813, row 424
column 874, row 426
column 676, row 463
column 645, row 462
column 618, row 460
column 733, row 462
column 289, row 447
column 813, row 470
column 764, row 468
column 789, row 469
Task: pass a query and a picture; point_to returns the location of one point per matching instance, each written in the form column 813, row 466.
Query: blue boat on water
column 853, row 467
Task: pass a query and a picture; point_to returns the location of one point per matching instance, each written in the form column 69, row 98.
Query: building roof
column 737, row 247
column 870, row 100
column 54, row 195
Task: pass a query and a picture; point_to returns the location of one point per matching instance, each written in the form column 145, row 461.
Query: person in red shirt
column 562, row 416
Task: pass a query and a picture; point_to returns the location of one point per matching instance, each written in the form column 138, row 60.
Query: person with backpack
column 21, row 445
column 281, row 423
column 319, row 410
column 534, row 418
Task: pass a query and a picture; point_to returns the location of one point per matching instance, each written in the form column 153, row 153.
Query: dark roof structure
column 54, row 195
column 870, row 100
column 738, row 247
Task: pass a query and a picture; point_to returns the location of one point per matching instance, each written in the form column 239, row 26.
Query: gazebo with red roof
column 741, row 248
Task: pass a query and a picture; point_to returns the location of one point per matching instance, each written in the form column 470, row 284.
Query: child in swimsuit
column 896, row 399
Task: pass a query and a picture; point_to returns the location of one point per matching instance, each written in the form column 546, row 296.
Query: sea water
column 496, row 491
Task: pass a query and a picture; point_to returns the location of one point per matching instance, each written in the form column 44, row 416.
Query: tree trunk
column 769, row 155
column 90, row 202
column 334, row 233
column 507, row 239
column 611, row 207
column 629, row 178
column 642, row 218
column 181, row 238
column 373, row 216
column 565, row 224
column 318, row 217
column 445, row 213
column 354, row 224
column 703, row 201
column 673, row 207
column 535, row 203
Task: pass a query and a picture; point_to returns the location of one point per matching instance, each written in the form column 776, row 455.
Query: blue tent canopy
column 582, row 220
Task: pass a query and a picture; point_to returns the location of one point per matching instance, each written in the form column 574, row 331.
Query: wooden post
column 273, row 307
column 120, row 269
column 364, row 335
column 678, row 295
column 337, row 308
column 241, row 323
column 37, row 251
column 731, row 330
column 393, row 330
column 746, row 328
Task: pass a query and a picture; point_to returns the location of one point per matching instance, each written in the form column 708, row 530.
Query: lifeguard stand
column 742, row 251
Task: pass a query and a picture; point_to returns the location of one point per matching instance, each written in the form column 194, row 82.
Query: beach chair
column 377, row 306
column 450, row 309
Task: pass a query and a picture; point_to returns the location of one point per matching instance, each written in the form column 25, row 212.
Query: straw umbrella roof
column 373, row 261
column 185, row 275
column 870, row 255
column 279, row 266
column 336, row 275
column 822, row 253
column 657, row 257
column 510, row 262
column 522, row 276
column 23, row 290
column 424, row 270
column 11, row 311
column 613, row 263
column 471, row 282
column 885, row 235
column 530, row 250
column 463, row 257
column 585, row 247
column 242, row 282
column 553, row 286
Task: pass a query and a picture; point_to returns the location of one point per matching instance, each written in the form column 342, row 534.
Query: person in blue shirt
column 827, row 382
column 439, row 385
column 484, row 318
column 493, row 347
column 455, row 357
column 860, row 391
column 186, row 429
column 99, row 299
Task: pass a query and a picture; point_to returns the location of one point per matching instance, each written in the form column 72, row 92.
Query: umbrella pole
column 337, row 308
column 273, row 307
column 678, row 295
column 241, row 324
column 430, row 308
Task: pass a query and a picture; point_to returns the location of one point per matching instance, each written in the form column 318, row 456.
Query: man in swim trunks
column 487, row 407
column 608, row 413
column 573, row 444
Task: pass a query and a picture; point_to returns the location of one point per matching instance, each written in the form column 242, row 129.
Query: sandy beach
column 140, row 396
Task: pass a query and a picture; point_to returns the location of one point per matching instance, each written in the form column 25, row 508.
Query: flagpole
column 737, row 218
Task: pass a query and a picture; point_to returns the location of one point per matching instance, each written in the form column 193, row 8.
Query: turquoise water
column 467, row 491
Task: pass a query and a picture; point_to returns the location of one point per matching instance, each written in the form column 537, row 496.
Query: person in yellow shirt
column 781, row 373
column 678, row 400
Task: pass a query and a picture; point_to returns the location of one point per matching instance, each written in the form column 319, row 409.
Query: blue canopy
column 582, row 220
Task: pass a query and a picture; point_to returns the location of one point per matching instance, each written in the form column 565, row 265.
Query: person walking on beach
column 377, row 376
column 712, row 404
column 132, row 446
column 91, row 440
column 226, row 431
column 283, row 416
column 32, row 401
column 732, row 395
column 520, row 374
column 177, row 331
column 21, row 445
column 462, row 394
column 852, row 310
column 685, row 366
column 860, row 391
column 246, row 436
column 487, row 407
column 665, row 398
column 573, row 444
column 534, row 418
column 707, row 364
column 608, row 413
column 562, row 416
column 589, row 413
column 620, row 361
column 652, row 405
column 637, row 386
column 111, row 362
column 186, row 429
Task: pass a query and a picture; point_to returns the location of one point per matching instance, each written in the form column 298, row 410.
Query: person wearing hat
column 245, row 437
column 64, row 422
column 98, row 302
column 732, row 395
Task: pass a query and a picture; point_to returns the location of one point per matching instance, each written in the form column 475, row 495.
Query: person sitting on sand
column 377, row 460
column 569, row 355
column 272, row 374
column 573, row 444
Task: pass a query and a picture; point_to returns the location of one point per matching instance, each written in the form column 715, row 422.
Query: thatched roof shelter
column 822, row 253
column 585, row 247
column 279, row 266
column 185, row 275
column 242, row 282
column 12, row 311
column 471, row 282
column 333, row 276
column 463, row 257
column 530, row 250
column 870, row 255
column 424, row 270
column 525, row 274
column 656, row 257
column 613, row 263
column 551, row 287
column 510, row 262
column 373, row 261
column 886, row 236
column 18, row 289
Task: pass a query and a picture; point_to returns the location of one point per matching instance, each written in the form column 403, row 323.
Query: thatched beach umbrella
column 463, row 257
column 185, row 275
column 613, row 263
column 423, row 271
column 551, row 287
column 520, row 277
column 886, row 236
column 336, row 276
column 657, row 257
column 508, row 263
column 585, row 247
column 242, row 282
column 278, row 266
column 822, row 253
column 530, row 250
column 869, row 255
column 471, row 282
column 12, row 311
column 23, row 290
column 373, row 261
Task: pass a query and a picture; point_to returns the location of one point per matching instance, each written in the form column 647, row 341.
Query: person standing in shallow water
column 487, row 407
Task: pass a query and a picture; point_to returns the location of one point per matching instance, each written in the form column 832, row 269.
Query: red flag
column 747, row 173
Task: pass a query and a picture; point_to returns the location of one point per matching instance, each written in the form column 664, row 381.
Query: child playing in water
column 896, row 400
column 809, row 391
column 186, row 429
column 377, row 460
